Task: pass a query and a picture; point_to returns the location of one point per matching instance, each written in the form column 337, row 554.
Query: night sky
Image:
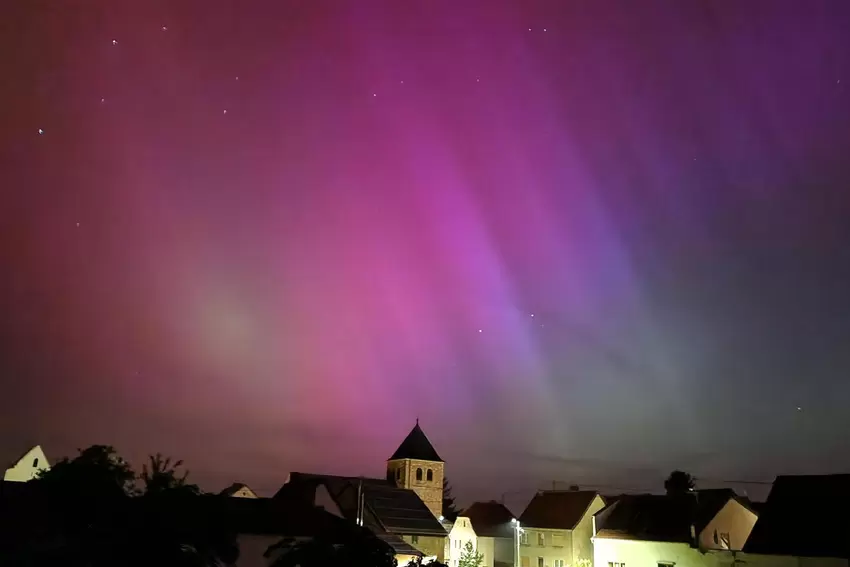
column 584, row 241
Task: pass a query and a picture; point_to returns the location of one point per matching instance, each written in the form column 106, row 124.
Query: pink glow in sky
column 582, row 241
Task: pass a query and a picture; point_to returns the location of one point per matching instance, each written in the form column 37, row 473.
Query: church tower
column 417, row 466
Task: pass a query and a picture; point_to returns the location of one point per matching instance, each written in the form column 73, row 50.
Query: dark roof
column 796, row 518
column 654, row 517
column 416, row 446
column 234, row 488
column 649, row 517
column 387, row 508
column 490, row 519
column 400, row 546
column 557, row 509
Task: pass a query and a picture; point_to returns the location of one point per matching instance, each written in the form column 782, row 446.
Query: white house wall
column 733, row 519
column 28, row 467
column 582, row 547
column 635, row 553
column 460, row 533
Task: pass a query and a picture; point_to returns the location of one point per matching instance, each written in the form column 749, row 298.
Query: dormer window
column 430, row 475
column 418, row 474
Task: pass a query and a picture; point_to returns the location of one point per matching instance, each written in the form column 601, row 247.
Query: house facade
column 460, row 533
column 557, row 528
column 495, row 530
column 28, row 466
column 703, row 528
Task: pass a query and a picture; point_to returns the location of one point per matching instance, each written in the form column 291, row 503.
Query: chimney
column 574, row 488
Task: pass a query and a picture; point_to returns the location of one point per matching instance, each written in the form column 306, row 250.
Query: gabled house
column 557, row 526
column 27, row 466
column 650, row 529
column 460, row 534
column 495, row 532
column 239, row 490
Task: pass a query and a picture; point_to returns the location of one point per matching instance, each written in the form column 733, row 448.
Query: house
column 557, row 526
column 403, row 508
column 805, row 516
column 239, row 490
column 27, row 466
column 665, row 530
column 495, row 531
column 460, row 533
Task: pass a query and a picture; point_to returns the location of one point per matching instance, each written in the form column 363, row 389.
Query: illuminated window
column 430, row 475
column 418, row 474
column 523, row 538
column 558, row 563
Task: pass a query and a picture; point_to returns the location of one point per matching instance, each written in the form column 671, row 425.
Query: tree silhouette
column 678, row 483
column 161, row 476
column 352, row 546
column 93, row 516
column 449, row 511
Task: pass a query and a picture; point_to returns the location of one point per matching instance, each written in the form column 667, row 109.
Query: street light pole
column 517, row 531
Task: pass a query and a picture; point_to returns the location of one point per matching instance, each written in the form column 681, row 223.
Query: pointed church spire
column 416, row 446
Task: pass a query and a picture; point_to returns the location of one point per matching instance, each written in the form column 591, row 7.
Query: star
column 374, row 94
column 40, row 131
column 78, row 225
column 237, row 77
column 402, row 82
column 114, row 42
column 529, row 29
column 544, row 29
column 532, row 315
column 799, row 408
column 477, row 79
column 102, row 100
column 225, row 111
column 164, row 28
column 480, row 330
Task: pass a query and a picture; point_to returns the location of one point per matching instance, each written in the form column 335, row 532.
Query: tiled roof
column 649, row 517
column 387, row 508
column 796, row 518
column 557, row 509
column 490, row 519
column 416, row 446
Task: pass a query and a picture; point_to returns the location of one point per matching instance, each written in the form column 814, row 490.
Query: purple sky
column 588, row 241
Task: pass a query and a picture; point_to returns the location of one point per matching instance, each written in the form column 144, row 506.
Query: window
column 666, row 564
column 523, row 538
column 558, row 563
column 430, row 475
column 724, row 540
column 541, row 539
column 414, row 539
column 398, row 474
column 418, row 474
column 558, row 540
column 524, row 561
column 615, row 564
column 35, row 462
column 540, row 562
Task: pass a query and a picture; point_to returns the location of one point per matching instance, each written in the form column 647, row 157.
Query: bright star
column 114, row 42
column 40, row 131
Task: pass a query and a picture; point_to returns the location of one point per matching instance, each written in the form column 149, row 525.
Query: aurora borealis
column 584, row 241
